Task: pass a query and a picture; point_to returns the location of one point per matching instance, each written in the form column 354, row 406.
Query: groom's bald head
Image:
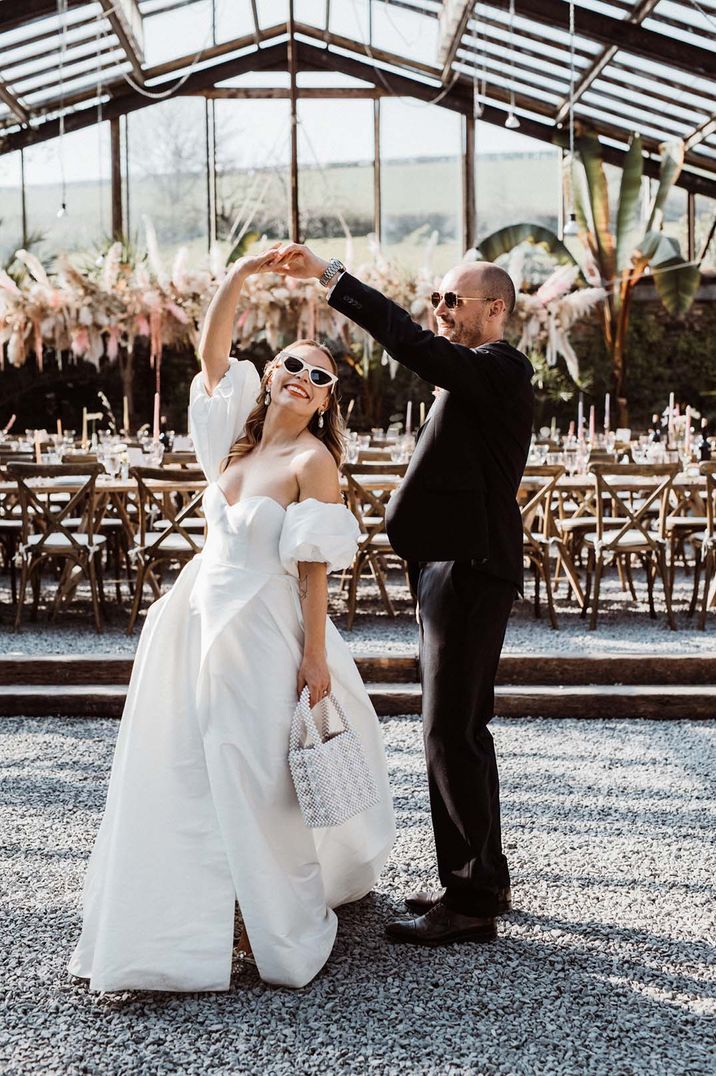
column 487, row 297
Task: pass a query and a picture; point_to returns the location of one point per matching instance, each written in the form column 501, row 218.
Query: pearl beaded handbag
column 332, row 779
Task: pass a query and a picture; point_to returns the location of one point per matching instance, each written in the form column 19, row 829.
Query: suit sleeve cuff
column 335, row 284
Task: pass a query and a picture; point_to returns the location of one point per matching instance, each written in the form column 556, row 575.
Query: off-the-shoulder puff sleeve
column 315, row 531
column 216, row 421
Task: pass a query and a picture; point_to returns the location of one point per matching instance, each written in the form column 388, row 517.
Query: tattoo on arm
column 303, row 586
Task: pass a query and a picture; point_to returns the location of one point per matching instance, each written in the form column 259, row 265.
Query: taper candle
column 607, row 416
column 59, row 427
column 422, row 412
column 409, row 416
column 687, row 431
column 84, row 427
column 155, row 427
column 125, row 414
column 38, row 448
column 592, row 423
column 580, row 418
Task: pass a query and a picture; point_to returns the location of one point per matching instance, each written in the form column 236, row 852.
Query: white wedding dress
column 201, row 811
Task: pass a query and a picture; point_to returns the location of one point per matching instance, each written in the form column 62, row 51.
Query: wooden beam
column 115, row 144
column 468, row 183
column 280, row 93
column 453, row 20
column 625, row 35
column 125, row 18
column 117, row 87
column 701, row 132
column 377, row 178
column 292, row 64
column 585, row 78
column 131, row 100
column 14, row 104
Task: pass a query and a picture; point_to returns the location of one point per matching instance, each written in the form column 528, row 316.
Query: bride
column 201, row 812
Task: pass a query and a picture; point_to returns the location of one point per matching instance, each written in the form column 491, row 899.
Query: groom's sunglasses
column 452, row 300
column 320, row 377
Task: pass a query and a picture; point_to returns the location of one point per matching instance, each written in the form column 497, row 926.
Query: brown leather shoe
column 423, row 901
column 441, row 926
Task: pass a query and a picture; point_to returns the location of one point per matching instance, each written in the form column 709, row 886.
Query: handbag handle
column 307, row 721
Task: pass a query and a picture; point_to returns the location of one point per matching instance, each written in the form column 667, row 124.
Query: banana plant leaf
column 506, row 239
column 677, row 285
column 672, row 159
column 590, row 153
column 242, row 246
column 629, row 227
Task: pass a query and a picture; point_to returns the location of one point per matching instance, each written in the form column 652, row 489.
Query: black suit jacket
column 458, row 498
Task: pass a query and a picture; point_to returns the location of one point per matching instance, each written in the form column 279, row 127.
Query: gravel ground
column 624, row 627
column 604, row 969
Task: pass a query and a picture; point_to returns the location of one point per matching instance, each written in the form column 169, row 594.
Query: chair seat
column 633, row 540
column 61, row 541
column 587, row 522
column 190, row 523
column 377, row 541
column 685, row 522
column 174, row 543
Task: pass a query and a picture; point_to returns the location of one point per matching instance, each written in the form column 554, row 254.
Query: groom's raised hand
column 299, row 261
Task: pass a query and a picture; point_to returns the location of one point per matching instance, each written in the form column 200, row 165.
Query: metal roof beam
column 459, row 99
column 125, row 18
column 600, row 62
column 132, row 101
column 13, row 14
column 454, row 17
column 619, row 32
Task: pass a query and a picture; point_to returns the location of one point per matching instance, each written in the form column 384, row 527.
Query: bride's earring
column 320, row 420
column 267, row 397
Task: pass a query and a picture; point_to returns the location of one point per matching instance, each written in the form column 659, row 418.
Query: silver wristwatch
column 332, row 269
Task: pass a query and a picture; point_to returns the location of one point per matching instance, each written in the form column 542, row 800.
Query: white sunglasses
column 320, row 377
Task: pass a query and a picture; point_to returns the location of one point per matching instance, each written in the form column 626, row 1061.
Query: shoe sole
column 458, row 936
column 418, row 908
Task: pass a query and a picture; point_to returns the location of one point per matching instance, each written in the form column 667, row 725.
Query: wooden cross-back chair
column 368, row 506
column 705, row 549
column 163, row 535
column 540, row 537
column 10, row 532
column 62, row 530
column 632, row 535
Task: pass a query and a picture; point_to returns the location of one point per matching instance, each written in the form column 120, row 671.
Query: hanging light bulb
column 571, row 227
column 62, row 210
column 512, row 122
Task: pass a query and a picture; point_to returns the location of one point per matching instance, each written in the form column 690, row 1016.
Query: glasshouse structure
column 399, row 133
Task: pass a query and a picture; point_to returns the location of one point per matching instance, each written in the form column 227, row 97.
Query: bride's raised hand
column 299, row 261
column 251, row 264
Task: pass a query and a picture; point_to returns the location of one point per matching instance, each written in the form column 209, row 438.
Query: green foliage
column 506, row 239
column 242, row 246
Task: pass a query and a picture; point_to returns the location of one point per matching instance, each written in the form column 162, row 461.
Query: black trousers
column 463, row 615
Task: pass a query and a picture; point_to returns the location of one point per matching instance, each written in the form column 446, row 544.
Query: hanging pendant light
column 62, row 20
column 571, row 228
column 512, row 122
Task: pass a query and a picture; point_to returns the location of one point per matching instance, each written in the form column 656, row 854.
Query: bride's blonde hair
column 332, row 433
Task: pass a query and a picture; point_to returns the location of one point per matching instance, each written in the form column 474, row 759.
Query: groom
column 456, row 521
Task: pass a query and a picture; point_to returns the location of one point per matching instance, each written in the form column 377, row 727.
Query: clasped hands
column 289, row 259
